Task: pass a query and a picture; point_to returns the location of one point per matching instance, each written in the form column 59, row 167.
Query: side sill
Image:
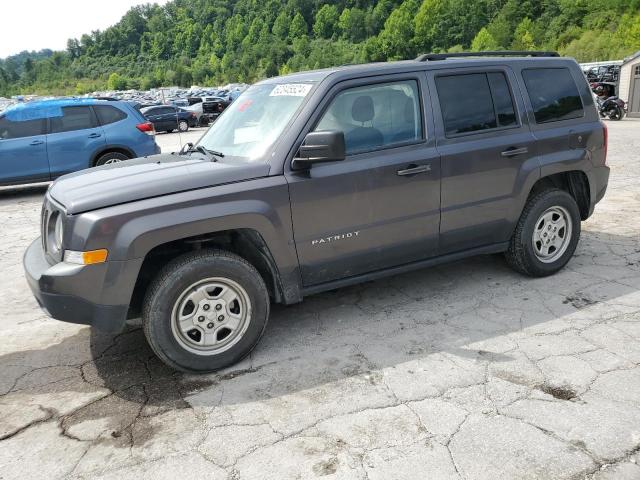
column 430, row 262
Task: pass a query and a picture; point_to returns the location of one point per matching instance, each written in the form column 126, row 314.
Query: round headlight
column 58, row 231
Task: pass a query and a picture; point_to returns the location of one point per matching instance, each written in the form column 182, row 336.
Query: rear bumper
column 600, row 180
column 53, row 288
column 211, row 116
column 150, row 147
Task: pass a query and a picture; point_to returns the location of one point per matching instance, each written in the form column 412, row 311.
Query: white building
column 629, row 88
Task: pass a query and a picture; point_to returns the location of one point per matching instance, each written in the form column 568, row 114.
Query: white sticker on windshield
column 291, row 90
column 246, row 135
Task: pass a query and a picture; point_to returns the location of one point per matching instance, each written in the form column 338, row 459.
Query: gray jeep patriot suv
column 324, row 179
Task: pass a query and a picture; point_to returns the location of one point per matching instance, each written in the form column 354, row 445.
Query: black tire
column 110, row 157
column 183, row 126
column 616, row 114
column 168, row 287
column 521, row 255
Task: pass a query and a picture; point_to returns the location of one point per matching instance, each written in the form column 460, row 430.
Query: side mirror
column 318, row 147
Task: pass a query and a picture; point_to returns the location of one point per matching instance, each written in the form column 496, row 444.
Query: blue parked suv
column 42, row 140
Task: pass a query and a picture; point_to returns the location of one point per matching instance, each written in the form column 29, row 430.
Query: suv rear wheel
column 183, row 125
column 546, row 235
column 205, row 310
column 110, row 157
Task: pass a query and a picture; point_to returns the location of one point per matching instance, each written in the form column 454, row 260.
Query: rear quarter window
column 108, row 114
column 553, row 93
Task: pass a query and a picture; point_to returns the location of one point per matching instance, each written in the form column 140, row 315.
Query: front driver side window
column 376, row 116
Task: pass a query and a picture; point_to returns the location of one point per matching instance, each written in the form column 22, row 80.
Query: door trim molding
column 367, row 277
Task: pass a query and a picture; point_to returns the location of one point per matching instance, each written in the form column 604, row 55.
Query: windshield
column 252, row 123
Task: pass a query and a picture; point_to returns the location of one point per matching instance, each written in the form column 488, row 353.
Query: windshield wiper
column 210, row 154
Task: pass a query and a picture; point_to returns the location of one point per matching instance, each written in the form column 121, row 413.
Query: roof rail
column 428, row 57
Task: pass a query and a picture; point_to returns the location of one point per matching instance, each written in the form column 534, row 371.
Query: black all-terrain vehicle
column 320, row 180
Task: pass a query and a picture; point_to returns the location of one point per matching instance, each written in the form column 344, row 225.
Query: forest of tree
column 211, row 42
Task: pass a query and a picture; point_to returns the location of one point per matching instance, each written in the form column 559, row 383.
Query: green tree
column 484, row 41
column 298, row 27
column 396, row 40
column 116, row 82
column 281, row 25
column 523, row 37
column 627, row 36
column 352, row 24
column 326, row 21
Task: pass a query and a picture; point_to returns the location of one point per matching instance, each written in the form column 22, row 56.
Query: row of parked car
column 41, row 140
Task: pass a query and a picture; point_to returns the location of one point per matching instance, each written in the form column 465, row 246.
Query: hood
column 146, row 177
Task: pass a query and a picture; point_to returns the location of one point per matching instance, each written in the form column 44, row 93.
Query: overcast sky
column 38, row 24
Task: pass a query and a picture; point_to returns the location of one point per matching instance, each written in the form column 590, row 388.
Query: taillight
column 605, row 131
column 147, row 128
column 193, row 115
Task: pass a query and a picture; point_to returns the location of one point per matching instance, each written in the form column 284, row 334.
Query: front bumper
column 59, row 290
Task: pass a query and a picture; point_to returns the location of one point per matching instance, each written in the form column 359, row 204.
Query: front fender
column 130, row 231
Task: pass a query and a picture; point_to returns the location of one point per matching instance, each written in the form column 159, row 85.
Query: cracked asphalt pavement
column 465, row 371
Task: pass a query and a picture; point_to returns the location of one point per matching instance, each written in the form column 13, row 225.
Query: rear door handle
column 37, row 142
column 95, row 135
column 414, row 170
column 513, row 151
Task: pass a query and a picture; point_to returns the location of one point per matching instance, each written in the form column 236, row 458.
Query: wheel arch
column 574, row 182
column 247, row 243
column 109, row 149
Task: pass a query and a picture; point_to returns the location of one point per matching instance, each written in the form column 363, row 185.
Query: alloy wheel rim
column 112, row 160
column 552, row 234
column 211, row 316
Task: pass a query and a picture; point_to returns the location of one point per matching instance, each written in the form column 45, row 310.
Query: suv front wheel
column 205, row 310
column 547, row 234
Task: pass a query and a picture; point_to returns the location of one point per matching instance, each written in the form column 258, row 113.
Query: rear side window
column 502, row 99
column 108, row 114
column 553, row 94
column 73, row 118
column 376, row 116
column 28, row 128
column 475, row 102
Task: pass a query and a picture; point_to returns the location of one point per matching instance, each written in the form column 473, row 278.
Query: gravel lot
column 462, row 371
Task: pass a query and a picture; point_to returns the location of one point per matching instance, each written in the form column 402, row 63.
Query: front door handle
column 95, row 135
column 414, row 170
column 513, row 151
column 37, row 142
